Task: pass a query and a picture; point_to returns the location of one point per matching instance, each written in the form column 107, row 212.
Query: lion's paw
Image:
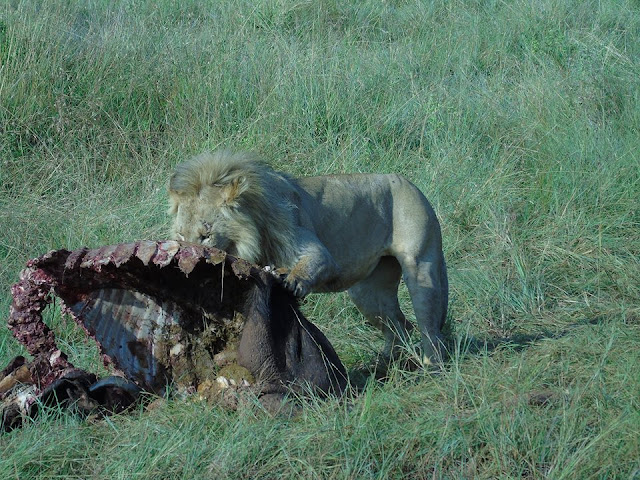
column 297, row 286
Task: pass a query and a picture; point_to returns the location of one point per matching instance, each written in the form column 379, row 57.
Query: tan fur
column 360, row 233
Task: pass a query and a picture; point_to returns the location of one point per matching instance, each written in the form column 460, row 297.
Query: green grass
column 519, row 120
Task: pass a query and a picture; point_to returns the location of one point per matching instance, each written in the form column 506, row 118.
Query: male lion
column 359, row 233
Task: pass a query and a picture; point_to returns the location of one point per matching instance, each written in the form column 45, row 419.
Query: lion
column 361, row 233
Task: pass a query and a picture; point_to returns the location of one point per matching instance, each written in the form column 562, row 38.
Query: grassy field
column 519, row 120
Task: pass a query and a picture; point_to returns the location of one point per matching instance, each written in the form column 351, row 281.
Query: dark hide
column 279, row 343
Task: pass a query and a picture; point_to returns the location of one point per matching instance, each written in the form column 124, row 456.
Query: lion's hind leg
column 426, row 280
column 377, row 299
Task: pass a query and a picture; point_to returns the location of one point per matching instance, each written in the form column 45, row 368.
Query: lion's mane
column 259, row 201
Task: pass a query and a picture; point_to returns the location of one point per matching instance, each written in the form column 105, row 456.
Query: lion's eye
column 202, row 238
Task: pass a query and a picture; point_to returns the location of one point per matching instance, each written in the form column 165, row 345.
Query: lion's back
column 364, row 215
column 368, row 194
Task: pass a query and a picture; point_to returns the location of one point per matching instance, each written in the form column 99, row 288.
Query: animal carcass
column 165, row 313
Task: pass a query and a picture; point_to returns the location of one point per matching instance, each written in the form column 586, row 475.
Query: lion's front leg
column 312, row 272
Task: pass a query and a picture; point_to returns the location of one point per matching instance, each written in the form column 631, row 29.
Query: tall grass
column 519, row 121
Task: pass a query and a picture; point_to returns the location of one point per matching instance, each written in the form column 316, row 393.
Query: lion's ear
column 173, row 203
column 234, row 189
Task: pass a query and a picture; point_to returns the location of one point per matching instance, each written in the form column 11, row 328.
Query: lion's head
column 234, row 202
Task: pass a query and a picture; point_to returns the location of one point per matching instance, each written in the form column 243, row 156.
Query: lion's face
column 214, row 217
column 232, row 202
column 204, row 219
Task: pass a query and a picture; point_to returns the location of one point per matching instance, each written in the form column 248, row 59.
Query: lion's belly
column 349, row 274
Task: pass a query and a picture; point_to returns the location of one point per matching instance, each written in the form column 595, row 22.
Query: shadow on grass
column 518, row 341
column 379, row 369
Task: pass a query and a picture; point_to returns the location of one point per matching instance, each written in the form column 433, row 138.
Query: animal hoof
column 71, row 391
column 114, row 393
